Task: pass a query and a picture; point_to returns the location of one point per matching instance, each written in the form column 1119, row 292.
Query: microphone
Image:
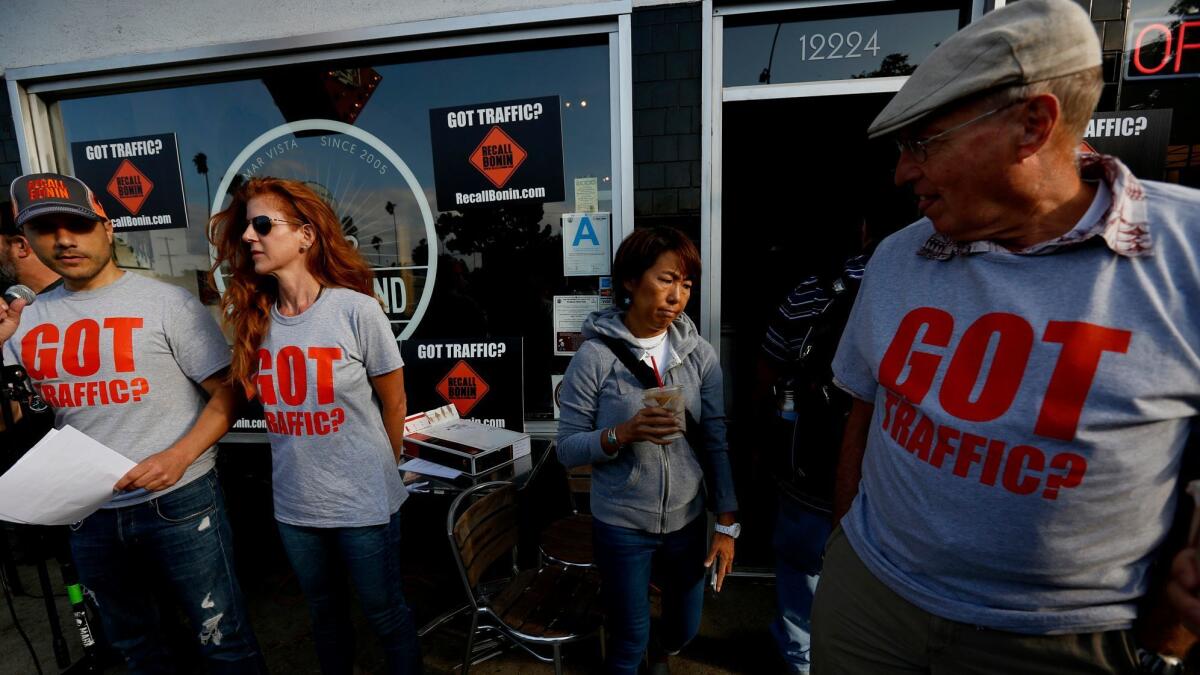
column 20, row 292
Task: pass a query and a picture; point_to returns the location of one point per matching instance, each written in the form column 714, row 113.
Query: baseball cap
column 1021, row 43
column 39, row 194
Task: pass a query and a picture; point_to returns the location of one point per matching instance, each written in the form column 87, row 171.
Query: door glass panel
column 838, row 43
column 783, row 222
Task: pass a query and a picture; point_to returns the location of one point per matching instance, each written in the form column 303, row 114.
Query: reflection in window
column 497, row 267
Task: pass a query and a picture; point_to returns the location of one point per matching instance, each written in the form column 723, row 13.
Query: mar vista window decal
column 383, row 208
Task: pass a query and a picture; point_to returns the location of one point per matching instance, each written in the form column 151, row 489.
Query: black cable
column 765, row 76
column 12, row 610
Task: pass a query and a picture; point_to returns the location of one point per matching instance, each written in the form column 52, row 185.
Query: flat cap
column 1021, row 43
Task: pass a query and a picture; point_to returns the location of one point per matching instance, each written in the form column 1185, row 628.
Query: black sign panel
column 136, row 179
column 1137, row 137
column 491, row 154
column 252, row 420
column 483, row 379
column 1163, row 48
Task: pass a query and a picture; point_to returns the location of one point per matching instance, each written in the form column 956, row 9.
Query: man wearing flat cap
column 1025, row 361
column 140, row 366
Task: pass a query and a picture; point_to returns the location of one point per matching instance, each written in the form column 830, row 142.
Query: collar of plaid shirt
column 1123, row 227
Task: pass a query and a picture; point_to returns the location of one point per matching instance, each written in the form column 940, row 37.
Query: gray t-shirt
column 1030, row 418
column 122, row 364
column 332, row 462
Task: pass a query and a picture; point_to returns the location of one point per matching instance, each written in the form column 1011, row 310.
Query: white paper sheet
column 570, row 311
column 587, row 195
column 428, row 468
column 61, row 480
column 587, row 244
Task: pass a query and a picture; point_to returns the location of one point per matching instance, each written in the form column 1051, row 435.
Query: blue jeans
column 322, row 558
column 800, row 537
column 182, row 539
column 627, row 560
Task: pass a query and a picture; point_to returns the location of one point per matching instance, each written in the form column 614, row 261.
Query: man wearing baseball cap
column 139, row 365
column 1025, row 361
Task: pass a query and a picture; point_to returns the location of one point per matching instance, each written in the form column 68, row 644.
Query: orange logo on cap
column 47, row 188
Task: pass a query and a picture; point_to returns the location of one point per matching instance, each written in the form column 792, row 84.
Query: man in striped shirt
column 796, row 354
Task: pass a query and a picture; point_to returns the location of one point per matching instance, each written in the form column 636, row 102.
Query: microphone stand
column 6, row 560
column 48, row 541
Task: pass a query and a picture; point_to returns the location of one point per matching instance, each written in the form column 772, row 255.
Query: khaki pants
column 861, row 626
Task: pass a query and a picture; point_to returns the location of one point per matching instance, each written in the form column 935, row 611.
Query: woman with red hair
column 313, row 344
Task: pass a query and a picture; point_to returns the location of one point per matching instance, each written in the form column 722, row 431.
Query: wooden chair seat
column 551, row 602
column 547, row 607
column 569, row 541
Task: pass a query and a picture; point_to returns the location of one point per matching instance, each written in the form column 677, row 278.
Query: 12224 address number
column 827, row 46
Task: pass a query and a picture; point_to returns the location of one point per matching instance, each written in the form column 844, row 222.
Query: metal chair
column 568, row 540
column 545, row 607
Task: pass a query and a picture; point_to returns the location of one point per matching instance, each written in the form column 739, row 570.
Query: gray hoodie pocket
column 616, row 478
column 687, row 478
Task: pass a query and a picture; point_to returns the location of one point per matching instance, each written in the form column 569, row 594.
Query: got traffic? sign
column 137, row 180
column 492, row 154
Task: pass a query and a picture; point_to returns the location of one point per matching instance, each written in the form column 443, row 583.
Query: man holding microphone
column 138, row 365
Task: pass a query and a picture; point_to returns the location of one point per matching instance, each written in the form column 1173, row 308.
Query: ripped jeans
column 181, row 540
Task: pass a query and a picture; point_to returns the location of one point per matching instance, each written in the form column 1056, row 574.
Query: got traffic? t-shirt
column 1030, row 414
column 123, row 365
column 332, row 463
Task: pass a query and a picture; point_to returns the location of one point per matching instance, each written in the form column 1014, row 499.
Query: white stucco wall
column 43, row 32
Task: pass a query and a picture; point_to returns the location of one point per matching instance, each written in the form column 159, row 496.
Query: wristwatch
column 730, row 530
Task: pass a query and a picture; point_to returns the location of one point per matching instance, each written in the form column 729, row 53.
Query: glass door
column 802, row 186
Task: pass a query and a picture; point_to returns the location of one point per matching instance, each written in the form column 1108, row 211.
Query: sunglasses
column 263, row 224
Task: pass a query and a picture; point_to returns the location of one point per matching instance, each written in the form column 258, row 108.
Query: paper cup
column 671, row 398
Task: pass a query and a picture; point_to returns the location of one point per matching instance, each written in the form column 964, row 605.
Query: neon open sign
column 1166, row 47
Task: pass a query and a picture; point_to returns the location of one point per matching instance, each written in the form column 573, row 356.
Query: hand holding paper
column 157, row 472
column 61, row 480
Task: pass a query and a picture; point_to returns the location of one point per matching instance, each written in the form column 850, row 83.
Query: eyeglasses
column 918, row 148
column 263, row 224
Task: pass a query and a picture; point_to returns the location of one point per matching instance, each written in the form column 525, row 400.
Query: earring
column 303, row 249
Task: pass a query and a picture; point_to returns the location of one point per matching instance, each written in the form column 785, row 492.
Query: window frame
column 34, row 91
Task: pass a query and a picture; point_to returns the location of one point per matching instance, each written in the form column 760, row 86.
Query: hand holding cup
column 653, row 424
column 669, row 398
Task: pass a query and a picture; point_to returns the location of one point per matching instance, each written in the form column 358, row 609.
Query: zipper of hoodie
column 665, row 454
column 666, row 465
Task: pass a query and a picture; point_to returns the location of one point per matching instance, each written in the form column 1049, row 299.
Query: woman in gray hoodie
column 649, row 487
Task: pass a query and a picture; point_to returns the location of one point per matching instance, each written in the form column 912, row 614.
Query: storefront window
column 360, row 134
column 1161, row 71
column 837, row 43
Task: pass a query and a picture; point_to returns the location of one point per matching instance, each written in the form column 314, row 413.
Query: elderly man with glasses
column 1025, row 361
